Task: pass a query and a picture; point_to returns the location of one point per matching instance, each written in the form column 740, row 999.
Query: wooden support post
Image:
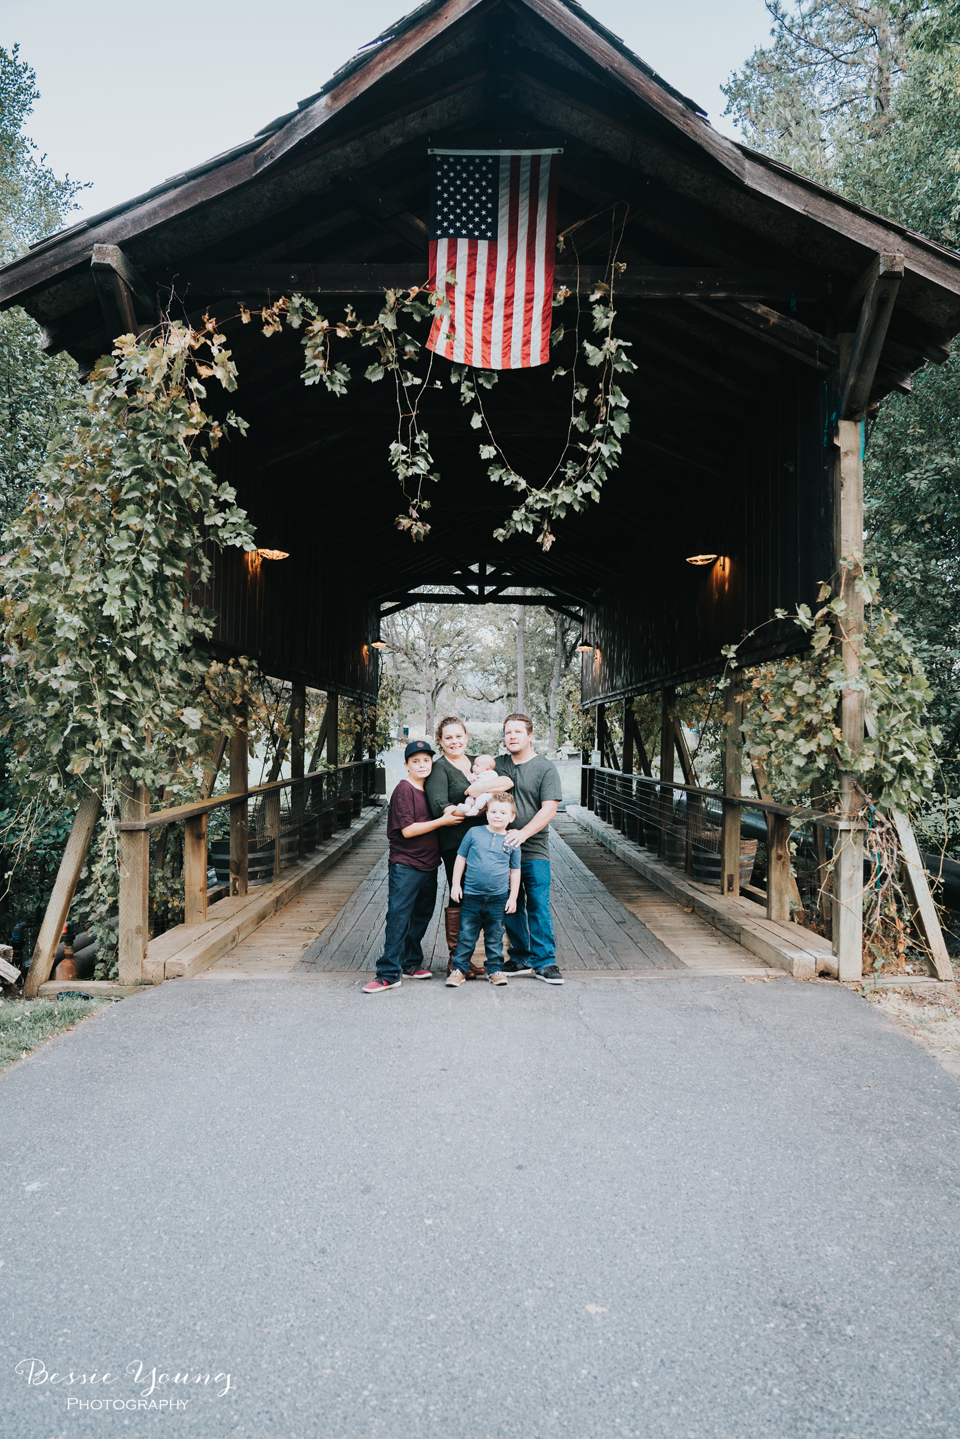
column 134, row 929
column 628, row 729
column 271, row 827
column 601, row 807
column 848, row 851
column 730, row 827
column 918, row 886
column 778, row 867
column 195, row 870
column 641, row 749
column 332, row 721
column 586, row 774
column 298, row 727
column 629, row 824
column 667, row 750
column 239, row 783
column 58, row 907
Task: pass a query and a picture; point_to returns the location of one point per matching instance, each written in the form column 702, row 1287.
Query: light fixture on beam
column 379, row 645
column 701, row 559
column 586, row 649
column 273, row 554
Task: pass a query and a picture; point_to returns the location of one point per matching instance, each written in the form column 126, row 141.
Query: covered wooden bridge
column 767, row 316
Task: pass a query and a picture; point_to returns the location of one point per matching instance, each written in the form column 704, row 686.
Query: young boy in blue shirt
column 486, row 882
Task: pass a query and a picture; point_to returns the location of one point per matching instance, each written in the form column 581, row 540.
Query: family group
column 485, row 819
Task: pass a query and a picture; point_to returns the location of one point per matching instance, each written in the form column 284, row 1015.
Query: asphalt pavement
column 671, row 1208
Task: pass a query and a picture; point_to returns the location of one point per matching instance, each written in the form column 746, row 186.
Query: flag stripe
column 500, row 308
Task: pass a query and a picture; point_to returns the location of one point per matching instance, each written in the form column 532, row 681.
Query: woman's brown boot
column 451, row 923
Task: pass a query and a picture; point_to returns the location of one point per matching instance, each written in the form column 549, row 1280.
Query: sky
column 131, row 93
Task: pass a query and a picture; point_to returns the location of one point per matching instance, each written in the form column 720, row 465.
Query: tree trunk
column 521, row 659
column 428, row 711
column 555, row 679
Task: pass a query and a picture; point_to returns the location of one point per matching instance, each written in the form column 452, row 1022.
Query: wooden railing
column 329, row 797
column 651, row 811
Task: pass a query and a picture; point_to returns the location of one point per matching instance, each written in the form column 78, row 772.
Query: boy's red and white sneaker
column 377, row 986
column 420, row 973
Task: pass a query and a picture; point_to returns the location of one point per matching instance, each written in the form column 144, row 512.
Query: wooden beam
column 918, row 885
column 64, row 888
column 637, row 282
column 392, row 214
column 785, row 334
column 881, row 285
column 111, row 257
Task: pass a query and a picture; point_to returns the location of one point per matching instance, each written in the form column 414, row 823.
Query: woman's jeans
column 486, row 912
column 411, row 897
column 530, row 930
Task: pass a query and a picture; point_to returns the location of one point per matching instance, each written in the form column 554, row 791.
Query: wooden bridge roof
column 740, row 277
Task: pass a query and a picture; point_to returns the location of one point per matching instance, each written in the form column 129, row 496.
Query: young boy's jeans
column 530, row 930
column 480, row 911
column 411, row 897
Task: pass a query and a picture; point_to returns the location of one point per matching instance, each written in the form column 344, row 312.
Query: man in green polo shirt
column 536, row 793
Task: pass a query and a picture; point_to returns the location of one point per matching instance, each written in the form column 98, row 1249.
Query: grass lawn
column 26, row 1023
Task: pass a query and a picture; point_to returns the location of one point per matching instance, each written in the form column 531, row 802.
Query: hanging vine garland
column 598, row 415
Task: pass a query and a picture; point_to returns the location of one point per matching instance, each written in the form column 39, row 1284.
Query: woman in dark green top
column 446, row 786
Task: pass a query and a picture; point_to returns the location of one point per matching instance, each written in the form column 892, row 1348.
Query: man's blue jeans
column 411, row 896
column 486, row 912
column 530, row 930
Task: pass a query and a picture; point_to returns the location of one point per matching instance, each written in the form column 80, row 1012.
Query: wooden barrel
column 344, row 813
column 706, row 862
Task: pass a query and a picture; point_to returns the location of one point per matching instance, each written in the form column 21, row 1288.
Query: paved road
column 669, row 1208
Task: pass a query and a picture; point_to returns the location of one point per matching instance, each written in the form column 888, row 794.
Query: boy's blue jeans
column 530, row 930
column 411, row 896
column 480, row 911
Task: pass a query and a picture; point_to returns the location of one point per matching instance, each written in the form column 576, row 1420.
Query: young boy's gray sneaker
column 512, row 967
column 550, row 974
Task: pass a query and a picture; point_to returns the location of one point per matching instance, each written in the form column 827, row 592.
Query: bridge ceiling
column 739, row 278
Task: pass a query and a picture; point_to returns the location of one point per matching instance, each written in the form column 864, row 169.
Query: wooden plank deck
column 697, row 944
column 607, row 918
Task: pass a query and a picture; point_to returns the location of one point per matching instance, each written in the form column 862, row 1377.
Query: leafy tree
column 827, row 83
column 38, row 397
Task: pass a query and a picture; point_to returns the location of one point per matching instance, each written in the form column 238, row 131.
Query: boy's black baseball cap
column 417, row 746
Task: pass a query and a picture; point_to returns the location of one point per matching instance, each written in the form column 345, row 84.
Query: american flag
column 494, row 224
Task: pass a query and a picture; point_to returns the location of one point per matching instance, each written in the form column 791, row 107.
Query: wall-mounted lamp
column 586, row 649
column 274, row 554
column 701, row 559
column 379, row 645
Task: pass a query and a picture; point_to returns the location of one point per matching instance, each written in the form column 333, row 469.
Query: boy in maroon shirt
column 412, row 870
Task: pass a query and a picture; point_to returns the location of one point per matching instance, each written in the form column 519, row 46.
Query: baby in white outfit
column 475, row 804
